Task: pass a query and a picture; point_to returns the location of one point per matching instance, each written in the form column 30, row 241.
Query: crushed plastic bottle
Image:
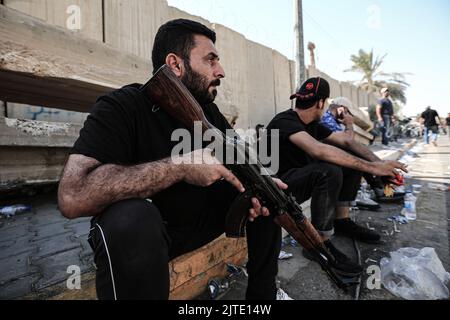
column 415, row 274
column 409, row 210
column 10, row 211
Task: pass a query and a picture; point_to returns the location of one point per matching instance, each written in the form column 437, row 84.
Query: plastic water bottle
column 409, row 211
column 13, row 210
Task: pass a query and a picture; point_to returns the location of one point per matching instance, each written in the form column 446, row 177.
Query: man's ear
column 321, row 104
column 175, row 63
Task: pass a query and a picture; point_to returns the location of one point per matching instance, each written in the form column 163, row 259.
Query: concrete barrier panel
column 261, row 105
column 335, row 87
column 283, row 84
column 63, row 13
column 234, row 92
column 60, row 13
column 131, row 25
column 355, row 97
column 346, row 90
column 293, row 84
column 175, row 13
column 373, row 99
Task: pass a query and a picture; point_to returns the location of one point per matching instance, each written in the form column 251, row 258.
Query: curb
column 396, row 154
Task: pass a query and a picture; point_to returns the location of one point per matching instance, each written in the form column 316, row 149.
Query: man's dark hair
column 177, row 36
column 305, row 105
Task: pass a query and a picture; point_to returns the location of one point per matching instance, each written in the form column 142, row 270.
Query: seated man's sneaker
column 341, row 264
column 285, row 256
column 350, row 229
column 281, row 295
column 363, row 201
column 399, row 194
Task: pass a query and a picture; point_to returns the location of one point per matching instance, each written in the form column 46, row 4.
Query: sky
column 414, row 34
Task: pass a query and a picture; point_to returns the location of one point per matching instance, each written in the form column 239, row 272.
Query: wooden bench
column 189, row 274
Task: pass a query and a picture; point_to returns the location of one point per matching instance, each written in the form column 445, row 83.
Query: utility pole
column 300, row 72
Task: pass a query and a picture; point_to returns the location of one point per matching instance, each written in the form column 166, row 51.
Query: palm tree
column 374, row 79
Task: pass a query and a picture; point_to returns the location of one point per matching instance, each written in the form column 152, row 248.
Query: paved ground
column 303, row 280
column 36, row 248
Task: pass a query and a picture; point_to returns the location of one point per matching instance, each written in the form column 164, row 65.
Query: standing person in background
column 447, row 124
column 385, row 113
column 430, row 119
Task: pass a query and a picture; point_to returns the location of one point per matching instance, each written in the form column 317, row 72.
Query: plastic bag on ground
column 414, row 274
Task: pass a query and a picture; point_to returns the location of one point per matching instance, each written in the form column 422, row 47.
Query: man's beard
column 199, row 86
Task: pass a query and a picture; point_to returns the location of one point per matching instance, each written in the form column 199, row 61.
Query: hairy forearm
column 341, row 158
column 91, row 192
column 363, row 151
column 350, row 132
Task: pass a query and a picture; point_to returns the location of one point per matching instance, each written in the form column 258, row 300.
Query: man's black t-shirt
column 125, row 128
column 448, row 121
column 430, row 118
column 387, row 108
column 289, row 123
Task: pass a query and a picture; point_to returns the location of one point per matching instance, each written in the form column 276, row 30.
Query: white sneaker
column 285, row 256
column 281, row 295
column 364, row 201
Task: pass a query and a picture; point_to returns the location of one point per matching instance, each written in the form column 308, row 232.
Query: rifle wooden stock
column 167, row 92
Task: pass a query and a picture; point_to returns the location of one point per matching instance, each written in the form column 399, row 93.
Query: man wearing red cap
column 314, row 165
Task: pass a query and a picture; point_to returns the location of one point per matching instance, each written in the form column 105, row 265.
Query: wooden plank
column 190, row 273
column 53, row 67
column 198, row 284
column 56, row 12
column 199, row 261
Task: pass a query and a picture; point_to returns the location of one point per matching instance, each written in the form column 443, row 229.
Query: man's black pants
column 133, row 246
column 329, row 186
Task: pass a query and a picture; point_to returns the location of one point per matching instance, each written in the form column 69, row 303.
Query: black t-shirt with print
column 430, row 118
column 125, row 128
column 289, row 123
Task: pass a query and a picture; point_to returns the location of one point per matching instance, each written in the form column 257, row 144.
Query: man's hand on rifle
column 201, row 168
column 258, row 210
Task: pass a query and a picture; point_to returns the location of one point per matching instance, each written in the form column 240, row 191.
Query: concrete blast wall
column 258, row 79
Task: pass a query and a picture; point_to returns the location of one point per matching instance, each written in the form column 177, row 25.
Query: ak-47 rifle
column 167, row 92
